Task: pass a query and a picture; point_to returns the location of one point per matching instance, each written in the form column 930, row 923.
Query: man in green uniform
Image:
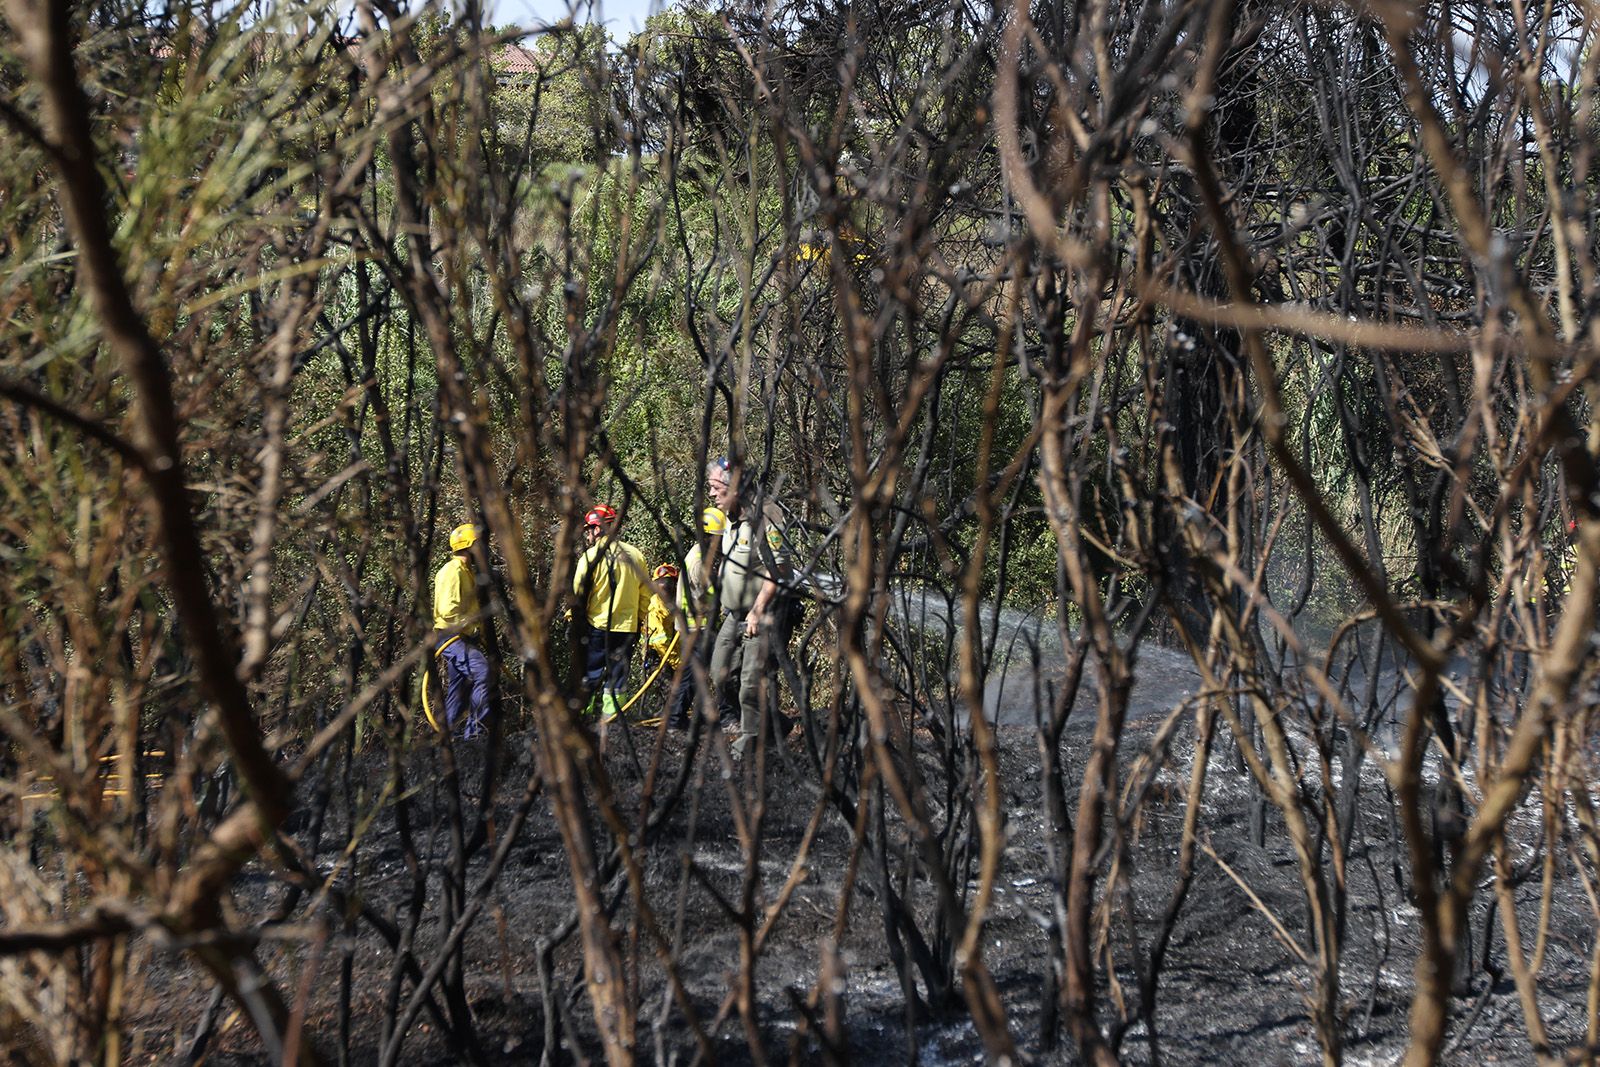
column 753, row 561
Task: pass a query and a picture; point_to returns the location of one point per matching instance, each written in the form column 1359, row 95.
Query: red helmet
column 601, row 515
column 666, row 570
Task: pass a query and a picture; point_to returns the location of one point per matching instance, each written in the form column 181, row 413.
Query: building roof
column 515, row 59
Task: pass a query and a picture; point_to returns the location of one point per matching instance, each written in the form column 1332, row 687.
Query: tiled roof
column 515, row 59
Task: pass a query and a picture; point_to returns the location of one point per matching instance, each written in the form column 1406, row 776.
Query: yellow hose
column 427, row 708
column 653, row 675
column 427, row 672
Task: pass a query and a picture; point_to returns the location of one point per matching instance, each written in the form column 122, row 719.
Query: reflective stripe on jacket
column 696, row 591
column 659, row 630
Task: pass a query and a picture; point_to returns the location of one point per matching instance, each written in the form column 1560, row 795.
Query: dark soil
column 1230, row 991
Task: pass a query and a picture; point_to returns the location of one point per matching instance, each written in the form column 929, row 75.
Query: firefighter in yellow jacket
column 663, row 647
column 455, row 607
column 611, row 584
column 697, row 595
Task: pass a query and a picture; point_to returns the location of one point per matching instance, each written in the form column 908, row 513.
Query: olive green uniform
column 752, row 551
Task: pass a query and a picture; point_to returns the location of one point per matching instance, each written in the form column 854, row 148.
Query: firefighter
column 455, row 607
column 610, row 583
column 663, row 646
column 697, row 594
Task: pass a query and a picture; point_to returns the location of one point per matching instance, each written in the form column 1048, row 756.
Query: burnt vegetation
column 1179, row 416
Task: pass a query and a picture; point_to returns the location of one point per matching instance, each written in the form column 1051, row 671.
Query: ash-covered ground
column 1229, row 991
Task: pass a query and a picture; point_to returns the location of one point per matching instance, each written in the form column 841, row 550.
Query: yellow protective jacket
column 611, row 580
column 455, row 597
column 660, row 628
column 697, row 589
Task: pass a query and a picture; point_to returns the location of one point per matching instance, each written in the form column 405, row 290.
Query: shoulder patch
column 774, row 538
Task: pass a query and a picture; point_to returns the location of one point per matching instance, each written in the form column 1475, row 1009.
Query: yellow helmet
column 713, row 521
column 463, row 537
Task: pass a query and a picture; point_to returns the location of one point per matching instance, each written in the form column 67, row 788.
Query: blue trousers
column 466, row 683
column 609, row 653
